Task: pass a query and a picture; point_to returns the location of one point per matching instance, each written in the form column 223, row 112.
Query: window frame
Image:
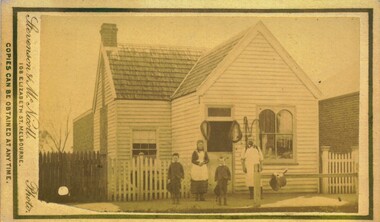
column 219, row 118
column 276, row 109
column 156, row 131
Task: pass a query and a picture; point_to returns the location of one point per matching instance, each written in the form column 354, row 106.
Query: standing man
column 199, row 172
column 251, row 162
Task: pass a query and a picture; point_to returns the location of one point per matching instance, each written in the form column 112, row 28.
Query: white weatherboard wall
column 143, row 115
column 185, row 126
column 111, row 132
column 258, row 76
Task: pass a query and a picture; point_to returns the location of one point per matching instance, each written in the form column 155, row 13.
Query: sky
column 326, row 48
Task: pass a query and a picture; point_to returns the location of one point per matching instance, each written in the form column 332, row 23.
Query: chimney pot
column 108, row 33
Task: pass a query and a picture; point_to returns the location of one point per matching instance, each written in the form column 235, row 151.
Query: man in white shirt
column 251, row 161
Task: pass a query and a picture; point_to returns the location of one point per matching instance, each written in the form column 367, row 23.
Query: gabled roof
column 205, row 65
column 210, row 66
column 149, row 72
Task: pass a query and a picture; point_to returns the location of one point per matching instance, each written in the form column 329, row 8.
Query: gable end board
column 103, row 57
column 94, row 98
column 108, row 69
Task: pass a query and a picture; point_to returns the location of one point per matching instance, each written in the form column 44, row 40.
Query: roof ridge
column 162, row 46
column 226, row 42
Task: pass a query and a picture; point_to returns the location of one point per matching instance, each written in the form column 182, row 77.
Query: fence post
column 110, row 176
column 325, row 168
column 355, row 159
column 257, row 186
column 140, row 176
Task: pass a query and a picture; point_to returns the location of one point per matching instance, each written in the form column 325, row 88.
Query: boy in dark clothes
column 222, row 176
column 175, row 174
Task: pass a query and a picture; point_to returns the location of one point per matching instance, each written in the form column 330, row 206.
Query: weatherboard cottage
column 153, row 100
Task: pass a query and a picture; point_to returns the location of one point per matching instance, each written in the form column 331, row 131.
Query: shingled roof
column 149, row 72
column 164, row 73
column 205, row 65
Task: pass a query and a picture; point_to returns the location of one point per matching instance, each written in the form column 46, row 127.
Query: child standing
column 175, row 174
column 222, row 176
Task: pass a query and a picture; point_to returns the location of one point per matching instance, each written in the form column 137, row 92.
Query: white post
column 325, row 168
column 140, row 175
column 355, row 159
column 257, row 186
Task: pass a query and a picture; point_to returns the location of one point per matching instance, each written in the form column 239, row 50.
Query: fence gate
column 141, row 178
column 335, row 163
column 83, row 173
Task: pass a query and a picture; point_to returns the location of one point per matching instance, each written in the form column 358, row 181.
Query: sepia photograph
column 210, row 112
column 200, row 113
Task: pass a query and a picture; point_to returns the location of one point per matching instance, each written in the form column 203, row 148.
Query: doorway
column 219, row 145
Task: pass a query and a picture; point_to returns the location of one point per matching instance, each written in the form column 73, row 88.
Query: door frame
column 218, row 119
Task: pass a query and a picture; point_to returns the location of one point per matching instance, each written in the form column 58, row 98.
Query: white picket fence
column 141, row 178
column 339, row 163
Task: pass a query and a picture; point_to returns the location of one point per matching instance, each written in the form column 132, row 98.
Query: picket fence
column 336, row 163
column 83, row 173
column 141, row 178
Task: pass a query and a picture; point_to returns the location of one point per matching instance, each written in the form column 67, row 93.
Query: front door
column 219, row 145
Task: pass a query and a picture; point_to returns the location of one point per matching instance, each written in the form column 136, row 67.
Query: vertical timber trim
column 325, row 170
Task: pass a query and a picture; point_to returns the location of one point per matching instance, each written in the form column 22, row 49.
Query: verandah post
column 325, row 168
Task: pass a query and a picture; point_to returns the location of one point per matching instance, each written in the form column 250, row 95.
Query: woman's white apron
column 199, row 173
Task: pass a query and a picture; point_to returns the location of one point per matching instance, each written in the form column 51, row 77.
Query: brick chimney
column 108, row 33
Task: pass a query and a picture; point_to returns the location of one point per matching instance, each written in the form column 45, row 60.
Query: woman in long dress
column 199, row 172
column 251, row 160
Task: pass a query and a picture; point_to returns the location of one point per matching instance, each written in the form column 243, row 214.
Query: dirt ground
column 236, row 203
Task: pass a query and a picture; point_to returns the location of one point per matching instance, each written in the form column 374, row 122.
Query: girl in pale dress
column 199, row 172
column 251, row 161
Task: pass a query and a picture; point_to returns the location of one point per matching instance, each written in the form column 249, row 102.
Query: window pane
column 144, row 146
column 284, row 146
column 137, row 152
column 152, row 152
column 219, row 112
column 219, row 137
column 268, row 146
column 267, row 124
column 284, row 122
column 136, row 146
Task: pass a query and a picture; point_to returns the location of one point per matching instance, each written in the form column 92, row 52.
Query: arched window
column 276, row 134
column 284, row 135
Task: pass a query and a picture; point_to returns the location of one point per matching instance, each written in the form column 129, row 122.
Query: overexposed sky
column 325, row 48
